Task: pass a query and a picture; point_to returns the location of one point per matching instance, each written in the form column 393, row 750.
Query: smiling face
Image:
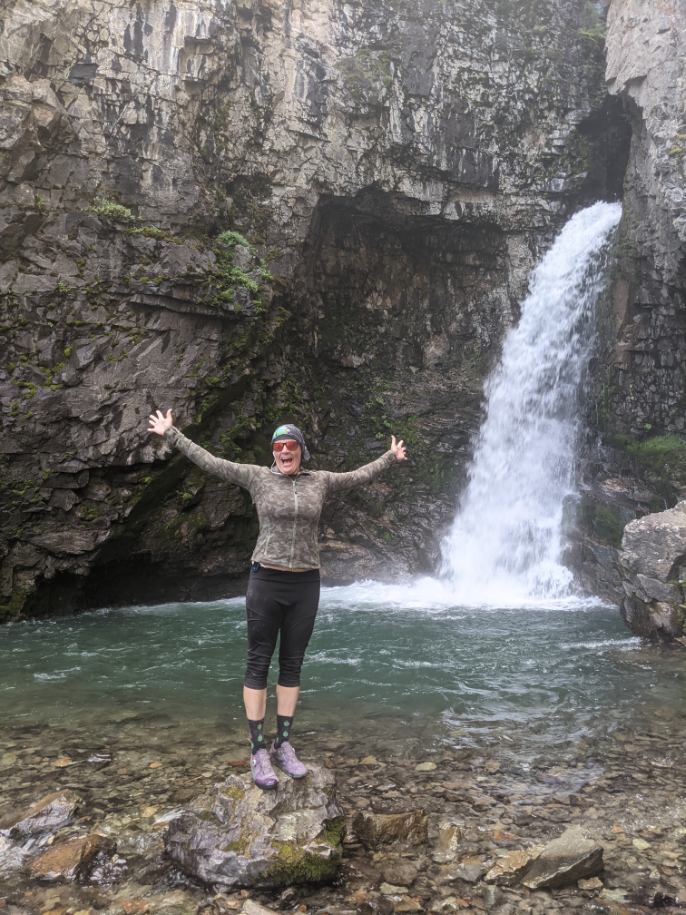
column 289, row 457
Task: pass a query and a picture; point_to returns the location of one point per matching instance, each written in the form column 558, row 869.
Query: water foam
column 506, row 543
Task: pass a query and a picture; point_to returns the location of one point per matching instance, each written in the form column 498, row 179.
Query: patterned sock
column 256, row 736
column 283, row 729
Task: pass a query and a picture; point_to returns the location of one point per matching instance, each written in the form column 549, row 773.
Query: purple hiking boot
column 284, row 757
column 262, row 773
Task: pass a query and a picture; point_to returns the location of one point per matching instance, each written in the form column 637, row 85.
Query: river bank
column 628, row 791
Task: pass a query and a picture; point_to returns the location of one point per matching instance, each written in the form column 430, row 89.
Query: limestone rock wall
column 646, row 44
column 258, row 211
column 638, row 415
column 653, row 568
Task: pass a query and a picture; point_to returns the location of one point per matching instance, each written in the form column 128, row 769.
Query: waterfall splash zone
column 506, row 545
column 507, row 540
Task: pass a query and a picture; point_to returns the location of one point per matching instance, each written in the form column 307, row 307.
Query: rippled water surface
column 540, row 675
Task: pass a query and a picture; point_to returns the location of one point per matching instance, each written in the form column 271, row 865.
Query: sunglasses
column 289, row 443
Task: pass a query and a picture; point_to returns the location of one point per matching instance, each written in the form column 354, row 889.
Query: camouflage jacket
column 288, row 507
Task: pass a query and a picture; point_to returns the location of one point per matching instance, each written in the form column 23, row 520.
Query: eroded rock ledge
column 653, row 566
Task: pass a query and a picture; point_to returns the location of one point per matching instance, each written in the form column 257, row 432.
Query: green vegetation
column 604, row 520
column 230, row 239
column 239, row 846
column 40, row 204
column 18, row 495
column 333, row 832
column 596, row 34
column 235, row 792
column 382, row 423
column 152, row 232
column 231, row 442
column 233, row 287
column 29, row 388
column 661, row 461
column 295, row 865
column 594, row 28
column 12, row 608
column 91, row 511
column 661, row 454
column 109, row 209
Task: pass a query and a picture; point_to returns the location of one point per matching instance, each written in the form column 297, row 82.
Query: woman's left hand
column 398, row 449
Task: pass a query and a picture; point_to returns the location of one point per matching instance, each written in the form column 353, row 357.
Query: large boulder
column 239, row 835
column 653, row 567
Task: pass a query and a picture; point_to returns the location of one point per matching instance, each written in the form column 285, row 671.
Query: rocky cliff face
column 646, row 43
column 254, row 212
column 638, row 413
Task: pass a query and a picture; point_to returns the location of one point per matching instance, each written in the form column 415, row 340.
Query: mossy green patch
column 152, row 232
column 91, row 511
column 239, row 846
column 662, row 455
column 660, row 460
column 233, row 287
column 12, row 608
column 294, row 864
column 110, row 209
column 235, row 792
column 333, row 832
column 231, row 238
column 603, row 520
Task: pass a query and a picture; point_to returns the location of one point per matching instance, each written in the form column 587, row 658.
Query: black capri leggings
column 279, row 602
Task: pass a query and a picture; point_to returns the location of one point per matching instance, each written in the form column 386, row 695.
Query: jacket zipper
column 295, row 523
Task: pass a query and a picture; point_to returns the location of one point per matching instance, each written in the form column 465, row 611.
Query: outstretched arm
column 242, row 474
column 339, row 481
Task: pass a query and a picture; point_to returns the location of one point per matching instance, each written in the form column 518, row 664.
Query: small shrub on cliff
column 230, row 239
column 151, row 232
column 237, row 285
column 108, row 209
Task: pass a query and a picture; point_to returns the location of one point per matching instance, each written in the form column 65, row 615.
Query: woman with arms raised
column 283, row 590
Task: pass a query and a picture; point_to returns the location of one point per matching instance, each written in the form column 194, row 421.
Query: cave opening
column 607, row 131
column 388, row 288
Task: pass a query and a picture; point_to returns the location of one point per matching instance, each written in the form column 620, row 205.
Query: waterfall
column 506, row 541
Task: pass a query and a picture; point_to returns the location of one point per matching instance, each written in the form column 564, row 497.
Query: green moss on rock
column 660, row 459
column 239, row 846
column 294, row 864
column 12, row 608
column 604, row 521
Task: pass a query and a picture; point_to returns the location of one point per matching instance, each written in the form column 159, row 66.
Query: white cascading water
column 505, row 546
column 506, row 542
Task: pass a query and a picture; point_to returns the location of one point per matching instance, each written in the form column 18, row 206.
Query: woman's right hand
column 160, row 422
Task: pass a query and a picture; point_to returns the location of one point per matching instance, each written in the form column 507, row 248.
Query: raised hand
column 160, row 422
column 398, row 449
